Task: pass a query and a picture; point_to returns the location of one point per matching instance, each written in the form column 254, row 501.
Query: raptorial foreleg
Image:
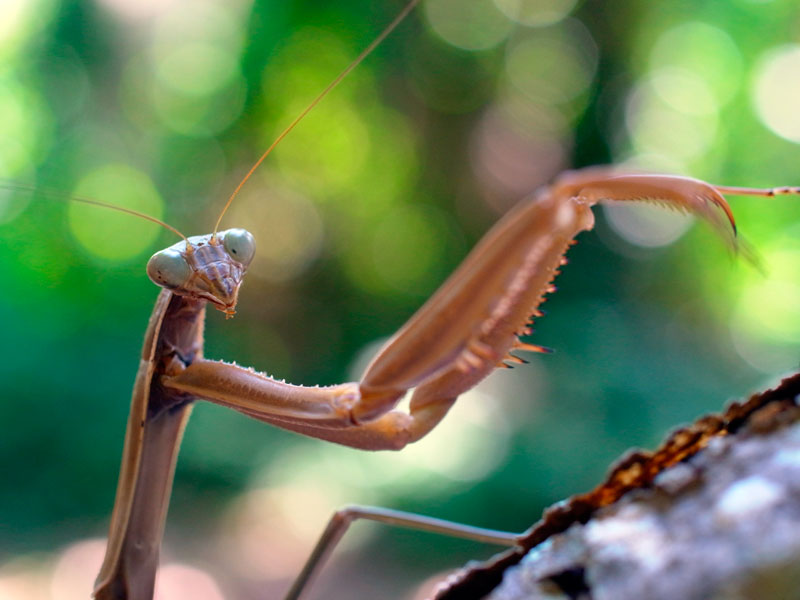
column 466, row 329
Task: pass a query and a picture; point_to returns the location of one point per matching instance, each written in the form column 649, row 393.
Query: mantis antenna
column 364, row 53
column 51, row 195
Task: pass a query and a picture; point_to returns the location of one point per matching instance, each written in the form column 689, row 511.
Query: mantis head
column 205, row 267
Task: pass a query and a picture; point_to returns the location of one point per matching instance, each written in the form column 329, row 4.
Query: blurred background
column 163, row 105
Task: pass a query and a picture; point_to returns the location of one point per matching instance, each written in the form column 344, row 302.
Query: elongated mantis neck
column 364, row 53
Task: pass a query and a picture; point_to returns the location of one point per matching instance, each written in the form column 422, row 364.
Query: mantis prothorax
column 468, row 328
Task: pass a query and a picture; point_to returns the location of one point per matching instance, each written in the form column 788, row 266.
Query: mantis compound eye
column 240, row 244
column 168, row 269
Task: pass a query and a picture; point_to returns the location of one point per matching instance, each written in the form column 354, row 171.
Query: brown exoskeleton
column 468, row 328
column 464, row 331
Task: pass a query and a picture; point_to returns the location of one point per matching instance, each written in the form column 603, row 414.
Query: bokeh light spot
column 20, row 19
column 702, row 49
column 204, row 21
column 76, row 570
column 468, row 24
column 536, row 12
column 554, row 65
column 684, row 91
column 25, row 123
column 179, row 582
column 197, row 69
column 200, row 116
column 328, row 152
column 12, row 15
column 304, row 64
column 406, row 247
column 108, row 234
column 656, row 127
column 191, row 71
column 268, row 530
column 24, row 578
column 513, row 159
column 777, row 91
column 765, row 326
column 137, row 9
column 646, row 225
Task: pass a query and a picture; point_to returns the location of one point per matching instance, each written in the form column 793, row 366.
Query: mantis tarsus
column 466, row 330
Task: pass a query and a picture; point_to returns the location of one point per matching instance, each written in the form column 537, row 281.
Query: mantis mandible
column 468, row 328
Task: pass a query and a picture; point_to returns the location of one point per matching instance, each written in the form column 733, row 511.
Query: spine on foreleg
column 472, row 321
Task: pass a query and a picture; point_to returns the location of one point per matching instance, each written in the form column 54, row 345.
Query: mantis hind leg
column 341, row 520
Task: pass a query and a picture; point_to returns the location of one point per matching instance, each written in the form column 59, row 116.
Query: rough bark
column 713, row 513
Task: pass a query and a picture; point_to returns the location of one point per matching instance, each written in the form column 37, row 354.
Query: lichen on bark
column 712, row 513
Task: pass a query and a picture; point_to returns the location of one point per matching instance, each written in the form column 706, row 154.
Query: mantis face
column 205, row 267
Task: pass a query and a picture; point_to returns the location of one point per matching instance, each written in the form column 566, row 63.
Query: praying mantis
column 466, row 330
column 563, row 207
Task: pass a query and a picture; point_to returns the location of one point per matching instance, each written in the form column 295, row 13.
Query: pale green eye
column 168, row 269
column 240, row 244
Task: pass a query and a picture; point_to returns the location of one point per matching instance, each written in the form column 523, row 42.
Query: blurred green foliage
column 359, row 214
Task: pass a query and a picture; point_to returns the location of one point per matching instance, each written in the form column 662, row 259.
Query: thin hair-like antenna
column 364, row 53
column 53, row 195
